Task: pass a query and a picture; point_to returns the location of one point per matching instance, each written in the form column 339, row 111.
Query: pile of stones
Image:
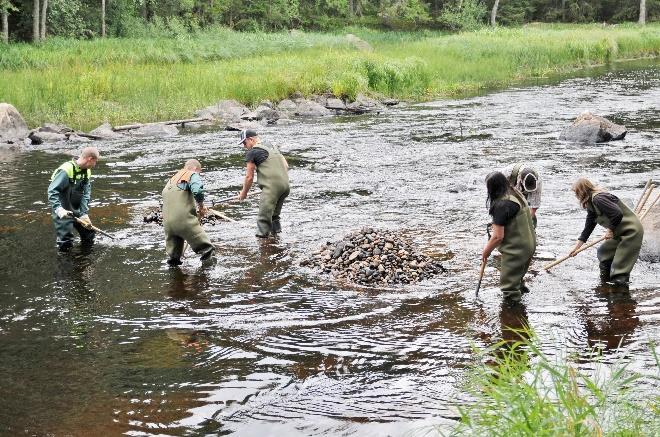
column 374, row 257
column 156, row 216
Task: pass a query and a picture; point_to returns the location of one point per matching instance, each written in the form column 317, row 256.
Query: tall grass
column 84, row 83
column 527, row 393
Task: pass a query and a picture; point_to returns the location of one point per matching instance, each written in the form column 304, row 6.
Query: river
column 112, row 341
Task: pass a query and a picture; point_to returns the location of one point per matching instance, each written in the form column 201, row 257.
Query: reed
column 84, row 83
column 525, row 392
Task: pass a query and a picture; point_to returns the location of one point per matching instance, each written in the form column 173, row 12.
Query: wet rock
column 226, row 110
column 390, row 102
column 37, row 137
column 12, row 124
column 590, row 128
column 364, row 104
column 73, row 138
column 155, row 130
column 105, row 132
column 308, row 108
column 155, row 216
column 288, row 106
column 374, row 257
column 55, row 128
column 335, row 104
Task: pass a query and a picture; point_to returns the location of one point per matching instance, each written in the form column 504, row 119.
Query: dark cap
column 247, row 133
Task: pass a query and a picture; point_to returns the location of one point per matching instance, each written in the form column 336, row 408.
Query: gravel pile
column 374, row 257
column 156, row 216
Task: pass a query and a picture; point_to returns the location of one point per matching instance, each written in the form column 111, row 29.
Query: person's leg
column 86, row 235
column 512, row 271
column 64, row 232
column 174, row 249
column 626, row 255
column 606, row 253
column 267, row 204
column 276, row 226
column 199, row 242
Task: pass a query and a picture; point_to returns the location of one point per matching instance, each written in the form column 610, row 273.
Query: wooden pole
column 92, row 227
column 646, row 187
column 231, row 198
column 221, row 215
column 643, row 216
column 645, row 199
column 564, row 258
column 481, row 276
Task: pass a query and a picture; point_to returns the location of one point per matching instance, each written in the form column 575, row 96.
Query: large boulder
column 105, row 132
column 155, row 130
column 12, row 124
column 590, row 128
column 287, row 106
column 308, row 108
column 364, row 104
column 225, row 110
column 39, row 137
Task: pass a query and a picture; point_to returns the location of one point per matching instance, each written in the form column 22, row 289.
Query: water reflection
column 615, row 327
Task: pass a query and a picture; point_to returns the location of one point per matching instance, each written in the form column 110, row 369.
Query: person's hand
column 578, row 245
column 484, row 256
column 85, row 218
column 609, row 234
column 63, row 213
column 241, row 196
column 201, row 210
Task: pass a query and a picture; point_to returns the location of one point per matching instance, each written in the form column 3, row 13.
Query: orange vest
column 181, row 176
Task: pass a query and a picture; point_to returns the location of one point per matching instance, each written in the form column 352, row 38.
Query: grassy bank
column 83, row 83
column 527, row 393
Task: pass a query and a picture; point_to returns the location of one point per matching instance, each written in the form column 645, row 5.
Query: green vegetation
column 527, row 393
column 84, row 83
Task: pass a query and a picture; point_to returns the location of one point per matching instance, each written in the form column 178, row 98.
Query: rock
column 38, row 137
column 590, row 128
column 78, row 139
column 155, row 130
column 651, row 246
column 267, row 113
column 105, row 131
column 335, row 104
column 307, row 108
column 12, row 124
column 390, row 102
column 287, row 105
column 226, row 110
column 55, row 128
column 364, row 104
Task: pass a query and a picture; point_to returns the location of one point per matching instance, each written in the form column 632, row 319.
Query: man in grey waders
column 180, row 220
column 272, row 177
column 527, row 181
column 68, row 196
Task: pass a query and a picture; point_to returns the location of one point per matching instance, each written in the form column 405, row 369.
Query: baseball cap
column 247, row 133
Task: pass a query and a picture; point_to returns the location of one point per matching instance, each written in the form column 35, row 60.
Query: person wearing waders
column 624, row 235
column 272, row 177
column 513, row 233
column 526, row 179
column 180, row 216
column 68, row 195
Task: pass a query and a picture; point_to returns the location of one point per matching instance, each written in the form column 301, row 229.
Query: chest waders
column 273, row 179
column 517, row 249
column 513, row 181
column 70, row 198
column 180, row 220
column 619, row 254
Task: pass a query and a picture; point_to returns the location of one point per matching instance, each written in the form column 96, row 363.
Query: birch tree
column 35, row 21
column 102, row 18
column 642, row 12
column 44, row 15
column 493, row 13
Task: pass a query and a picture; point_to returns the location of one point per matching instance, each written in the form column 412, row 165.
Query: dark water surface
column 113, row 341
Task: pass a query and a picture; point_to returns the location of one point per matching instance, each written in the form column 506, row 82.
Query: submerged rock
column 12, row 125
column 374, row 257
column 590, row 128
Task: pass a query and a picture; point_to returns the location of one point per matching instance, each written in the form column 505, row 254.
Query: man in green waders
column 272, row 177
column 180, row 217
column 68, row 195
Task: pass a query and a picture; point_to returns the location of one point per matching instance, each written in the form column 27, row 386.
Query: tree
column 102, row 18
column 493, row 13
column 44, row 14
column 642, row 12
column 5, row 8
column 35, row 21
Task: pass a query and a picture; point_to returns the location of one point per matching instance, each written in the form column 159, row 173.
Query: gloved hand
column 85, row 218
column 63, row 213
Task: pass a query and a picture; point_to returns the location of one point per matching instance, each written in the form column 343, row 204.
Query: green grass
column 84, row 83
column 527, row 393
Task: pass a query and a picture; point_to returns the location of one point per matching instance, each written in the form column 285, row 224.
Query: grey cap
column 247, row 133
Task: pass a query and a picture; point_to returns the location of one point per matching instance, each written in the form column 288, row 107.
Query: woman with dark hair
column 513, row 233
column 624, row 235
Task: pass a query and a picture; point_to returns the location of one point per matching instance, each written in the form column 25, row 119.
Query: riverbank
column 84, row 83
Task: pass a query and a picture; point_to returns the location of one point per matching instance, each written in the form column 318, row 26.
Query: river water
column 113, row 341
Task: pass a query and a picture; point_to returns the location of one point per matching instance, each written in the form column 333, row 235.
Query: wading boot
column 523, row 288
column 174, row 261
column 605, row 268
column 621, row 281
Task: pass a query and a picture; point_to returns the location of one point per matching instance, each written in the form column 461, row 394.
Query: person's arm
column 57, row 185
column 84, row 202
column 249, row 179
column 286, row 164
column 196, row 186
column 589, row 225
column 496, row 239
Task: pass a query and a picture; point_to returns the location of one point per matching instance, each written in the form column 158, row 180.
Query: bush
column 349, row 85
column 470, row 15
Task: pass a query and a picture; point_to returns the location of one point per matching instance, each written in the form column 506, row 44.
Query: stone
column 105, row 132
column 287, row 105
column 310, row 109
column 12, row 124
column 38, row 137
column 590, row 128
column 155, row 130
column 225, row 110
